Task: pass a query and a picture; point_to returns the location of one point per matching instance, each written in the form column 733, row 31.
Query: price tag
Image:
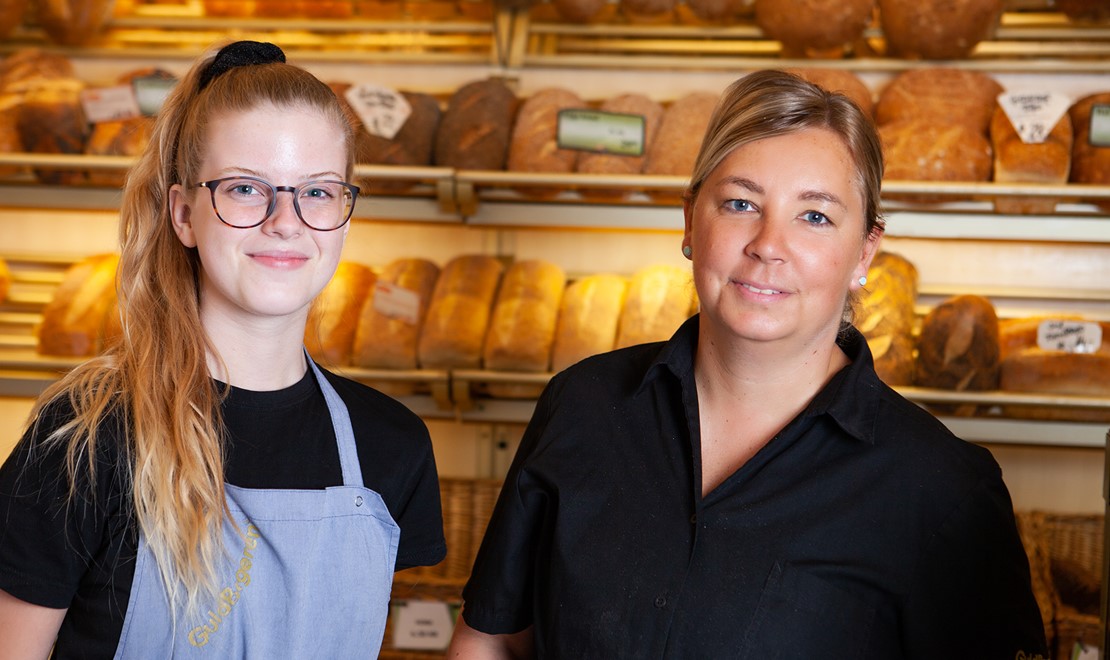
column 1033, row 114
column 383, row 111
column 1083, row 652
column 1100, row 125
column 397, row 302
column 601, row 132
column 151, row 92
column 422, row 625
column 103, row 104
column 1069, row 336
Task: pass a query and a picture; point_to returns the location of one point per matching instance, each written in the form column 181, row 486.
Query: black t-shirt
column 863, row 530
column 81, row 554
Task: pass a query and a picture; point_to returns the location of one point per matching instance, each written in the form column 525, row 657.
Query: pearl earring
column 687, row 251
column 862, row 280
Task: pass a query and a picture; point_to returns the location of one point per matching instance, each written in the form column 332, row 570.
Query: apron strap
column 341, row 422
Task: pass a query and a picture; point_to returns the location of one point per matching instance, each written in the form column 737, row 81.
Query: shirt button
column 358, row 500
column 660, row 601
column 694, row 519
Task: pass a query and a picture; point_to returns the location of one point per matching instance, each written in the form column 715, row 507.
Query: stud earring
column 687, row 251
column 862, row 280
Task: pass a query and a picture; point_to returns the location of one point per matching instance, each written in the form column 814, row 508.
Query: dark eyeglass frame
column 294, row 190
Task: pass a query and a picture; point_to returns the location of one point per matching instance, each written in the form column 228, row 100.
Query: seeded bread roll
column 886, row 316
column 1089, row 163
column 475, row 129
column 814, row 28
column 940, row 95
column 916, row 150
column 959, row 345
column 522, row 328
column 1016, row 161
column 75, row 319
column 841, row 81
column 459, row 313
column 73, row 22
column 937, row 30
column 676, row 144
column 588, row 319
column 659, row 299
column 390, row 320
column 333, row 319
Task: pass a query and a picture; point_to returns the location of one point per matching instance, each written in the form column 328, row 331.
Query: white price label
column 383, row 111
column 616, row 133
column 422, row 625
column 1033, row 114
column 1069, row 336
column 397, row 302
column 1100, row 126
column 109, row 104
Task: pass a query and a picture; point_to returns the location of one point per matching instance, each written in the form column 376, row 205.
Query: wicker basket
column 1074, row 541
column 467, row 506
column 1031, row 527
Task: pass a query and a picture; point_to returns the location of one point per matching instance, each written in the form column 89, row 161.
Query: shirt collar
column 851, row 397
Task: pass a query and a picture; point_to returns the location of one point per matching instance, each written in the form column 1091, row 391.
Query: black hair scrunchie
column 240, row 53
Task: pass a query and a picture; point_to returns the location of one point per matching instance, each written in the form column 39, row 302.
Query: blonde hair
column 771, row 103
column 156, row 377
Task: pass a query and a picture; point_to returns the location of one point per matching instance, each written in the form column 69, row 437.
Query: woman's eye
column 244, row 189
column 738, row 205
column 316, row 193
column 815, row 218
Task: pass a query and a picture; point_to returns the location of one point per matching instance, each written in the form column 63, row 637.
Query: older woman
column 750, row 488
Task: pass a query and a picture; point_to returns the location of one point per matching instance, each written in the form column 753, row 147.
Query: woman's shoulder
column 367, row 404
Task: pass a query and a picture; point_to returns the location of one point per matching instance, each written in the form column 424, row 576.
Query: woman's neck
column 262, row 357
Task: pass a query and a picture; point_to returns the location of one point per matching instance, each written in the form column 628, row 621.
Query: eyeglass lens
column 248, row 202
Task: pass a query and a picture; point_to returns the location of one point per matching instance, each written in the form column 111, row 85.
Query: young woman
column 203, row 486
column 750, row 488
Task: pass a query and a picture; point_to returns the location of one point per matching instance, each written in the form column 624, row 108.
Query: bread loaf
column 940, row 95
column 11, row 15
column 474, row 131
column 676, row 144
column 73, row 22
column 916, row 150
column 229, row 8
column 659, row 299
column 74, row 321
column 459, row 313
column 10, row 142
column 1016, row 161
column 959, row 345
column 52, row 121
column 127, row 137
column 5, row 279
column 522, row 327
column 534, row 146
column 1034, row 370
column 579, row 11
column 814, row 28
column 629, row 104
column 1089, row 163
column 588, row 319
column 21, row 72
column 390, row 321
column 937, row 30
column 648, row 11
column 333, row 319
column 886, row 316
column 841, row 81
column 1085, row 10
column 717, row 12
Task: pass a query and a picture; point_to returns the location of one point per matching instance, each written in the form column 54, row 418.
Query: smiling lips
column 755, row 289
column 280, row 259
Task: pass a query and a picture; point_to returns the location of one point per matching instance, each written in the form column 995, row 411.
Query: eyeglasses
column 246, row 201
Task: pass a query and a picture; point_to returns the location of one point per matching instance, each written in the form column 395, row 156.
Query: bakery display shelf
column 1034, row 41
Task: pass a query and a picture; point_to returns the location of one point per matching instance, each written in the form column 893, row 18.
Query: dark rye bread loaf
column 475, row 129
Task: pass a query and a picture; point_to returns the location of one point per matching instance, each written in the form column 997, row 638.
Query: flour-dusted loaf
column 937, row 30
column 841, row 81
column 534, row 146
column 814, row 28
column 74, row 322
column 886, row 316
column 390, row 320
column 1016, row 161
column 940, row 95
column 959, row 345
column 475, row 128
column 333, row 319
column 676, row 144
column 660, row 297
column 458, row 315
column 588, row 318
column 1090, row 163
column 918, row 150
column 522, row 327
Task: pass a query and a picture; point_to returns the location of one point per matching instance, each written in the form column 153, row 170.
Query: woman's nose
column 284, row 221
column 768, row 242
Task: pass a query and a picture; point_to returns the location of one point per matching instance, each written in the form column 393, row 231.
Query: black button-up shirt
column 864, row 529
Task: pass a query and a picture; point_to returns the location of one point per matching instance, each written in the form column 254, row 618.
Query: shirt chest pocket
column 802, row 616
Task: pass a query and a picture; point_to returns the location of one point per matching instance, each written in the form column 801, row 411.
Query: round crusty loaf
column 940, row 95
column 937, row 29
column 958, row 348
column 648, row 11
column 534, row 146
column 52, row 121
column 814, row 28
column 719, row 10
column 474, row 131
column 1089, row 163
column 841, row 81
column 917, row 150
column 632, row 104
column 579, row 11
column 676, row 145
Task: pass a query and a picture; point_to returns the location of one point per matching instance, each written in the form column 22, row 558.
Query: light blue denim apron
column 308, row 575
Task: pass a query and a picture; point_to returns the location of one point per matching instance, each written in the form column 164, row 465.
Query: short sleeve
column 420, row 517
column 972, row 595
column 47, row 538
